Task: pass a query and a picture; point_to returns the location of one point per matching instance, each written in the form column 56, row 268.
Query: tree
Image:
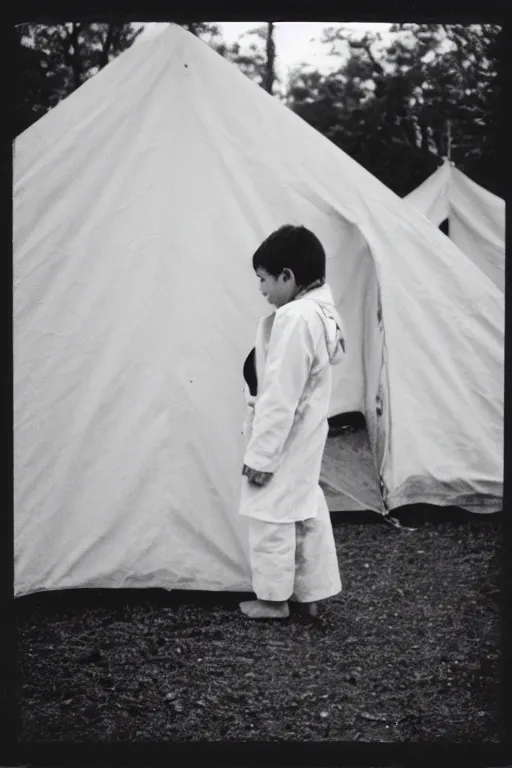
column 488, row 167
column 202, row 29
column 270, row 74
column 32, row 87
column 390, row 107
column 256, row 59
column 59, row 58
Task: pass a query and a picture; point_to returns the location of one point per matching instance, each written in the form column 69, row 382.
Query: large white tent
column 138, row 202
column 476, row 217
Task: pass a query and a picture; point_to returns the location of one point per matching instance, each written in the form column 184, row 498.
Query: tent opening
column 346, row 421
column 357, row 419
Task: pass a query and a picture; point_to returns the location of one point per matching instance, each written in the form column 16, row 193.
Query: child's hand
column 255, row 477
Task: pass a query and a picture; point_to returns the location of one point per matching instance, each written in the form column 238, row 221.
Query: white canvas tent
column 138, row 202
column 476, row 217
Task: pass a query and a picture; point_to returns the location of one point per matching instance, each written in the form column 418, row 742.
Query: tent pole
column 449, row 139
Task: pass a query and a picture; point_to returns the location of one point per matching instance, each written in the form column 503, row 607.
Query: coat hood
column 333, row 326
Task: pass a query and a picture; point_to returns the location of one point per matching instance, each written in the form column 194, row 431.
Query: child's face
column 279, row 290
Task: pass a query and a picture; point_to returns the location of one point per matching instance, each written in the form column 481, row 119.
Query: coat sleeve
column 290, row 356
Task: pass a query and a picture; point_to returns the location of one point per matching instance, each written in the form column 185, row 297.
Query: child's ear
column 287, row 274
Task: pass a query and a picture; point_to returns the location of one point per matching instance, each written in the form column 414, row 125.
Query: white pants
column 294, row 561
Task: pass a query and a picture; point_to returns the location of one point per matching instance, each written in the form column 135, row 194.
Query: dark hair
column 295, row 248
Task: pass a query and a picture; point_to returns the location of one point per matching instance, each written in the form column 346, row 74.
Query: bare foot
column 308, row 609
column 265, row 609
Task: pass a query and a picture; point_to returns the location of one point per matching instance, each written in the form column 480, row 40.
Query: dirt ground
column 408, row 652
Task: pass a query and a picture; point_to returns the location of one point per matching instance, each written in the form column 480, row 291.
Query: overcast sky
column 296, row 41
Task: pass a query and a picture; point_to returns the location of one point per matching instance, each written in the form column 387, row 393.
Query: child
column 288, row 376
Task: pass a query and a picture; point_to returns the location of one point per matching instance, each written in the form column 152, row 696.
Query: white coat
column 286, row 426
